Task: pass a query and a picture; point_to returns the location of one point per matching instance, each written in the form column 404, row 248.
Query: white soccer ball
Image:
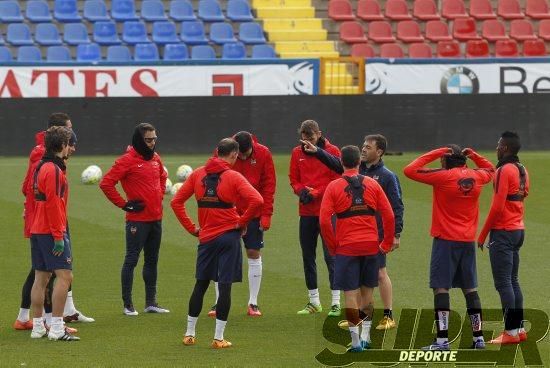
column 175, row 188
column 168, row 186
column 183, row 172
column 91, row 175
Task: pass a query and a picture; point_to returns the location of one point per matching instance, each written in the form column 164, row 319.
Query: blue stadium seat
column 58, row 54
column 105, row 33
column 134, row 32
column 175, row 52
column 123, row 10
column 10, row 12
column 119, row 54
column 239, row 11
column 152, row 10
column 19, row 34
column 38, row 11
column 235, row 50
column 5, row 55
column 75, row 34
column 182, row 10
column 221, row 33
column 210, row 11
column 203, row 52
column 96, row 11
column 164, row 32
column 251, row 33
column 263, row 52
column 29, row 54
column 46, row 34
column 192, row 33
column 146, row 52
column 66, row 11
column 89, row 52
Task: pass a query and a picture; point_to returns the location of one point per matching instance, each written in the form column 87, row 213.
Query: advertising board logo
column 459, row 80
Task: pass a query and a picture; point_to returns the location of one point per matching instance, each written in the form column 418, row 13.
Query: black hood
column 508, row 160
column 48, row 157
column 321, row 143
column 140, row 146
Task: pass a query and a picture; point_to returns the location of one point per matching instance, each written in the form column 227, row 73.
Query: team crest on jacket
column 133, row 230
column 375, row 177
column 69, row 260
column 466, row 185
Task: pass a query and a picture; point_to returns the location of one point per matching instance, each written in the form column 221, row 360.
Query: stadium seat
column 38, row 11
column 165, row 32
column 251, row 33
column 522, row 30
column 235, row 50
column 96, row 11
column 534, row 48
column 10, row 12
column 66, row 11
column 409, row 31
column 369, row 10
column 19, row 34
column 425, row 10
column 152, row 10
column 210, row 11
column 119, row 54
column 46, row 34
column 5, row 55
column 105, row 33
column 506, row 48
column 493, row 30
column 182, row 10
column 352, row 32
column 397, row 10
column 420, row 50
column 203, row 52
column 175, row 52
column 544, row 29
column 482, row 9
column 75, row 34
column 465, row 29
column 448, row 49
column 477, row 48
column 391, row 51
column 29, row 54
column 537, row 9
column 509, row 9
column 192, row 33
column 263, row 52
column 380, row 31
column 452, row 9
column 146, row 52
column 363, row 50
column 221, row 33
column 56, row 54
column 437, row 30
column 239, row 11
column 123, row 10
column 88, row 52
column 340, row 10
column 134, row 32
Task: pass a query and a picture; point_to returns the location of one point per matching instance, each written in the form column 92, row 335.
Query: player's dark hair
column 309, row 128
column 380, row 140
column 227, row 146
column 456, row 159
column 511, row 141
column 351, row 156
column 58, row 119
column 145, row 127
column 56, row 137
column 244, row 139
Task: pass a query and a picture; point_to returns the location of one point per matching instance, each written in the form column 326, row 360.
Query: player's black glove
column 134, row 206
column 305, row 196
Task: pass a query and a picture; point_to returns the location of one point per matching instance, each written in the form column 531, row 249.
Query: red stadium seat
column 510, row 9
column 465, row 29
column 391, row 50
column 506, row 48
column 380, row 32
column 477, row 48
column 425, row 10
column 494, row 30
column 453, row 9
column 437, row 30
column 537, row 9
column 420, row 50
column 522, row 30
column 352, row 32
column 340, row 10
column 482, row 9
column 534, row 48
column 397, row 10
column 448, row 49
column 363, row 50
column 369, row 10
column 544, row 29
column 409, row 31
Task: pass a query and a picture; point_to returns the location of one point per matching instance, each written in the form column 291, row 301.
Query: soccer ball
column 175, row 188
column 91, row 175
column 168, row 186
column 183, row 172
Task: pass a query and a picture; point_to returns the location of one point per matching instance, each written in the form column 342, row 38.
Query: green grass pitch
column 280, row 338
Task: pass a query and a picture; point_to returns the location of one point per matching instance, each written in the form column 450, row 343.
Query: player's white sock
column 57, row 325
column 254, row 279
column 48, row 318
column 191, row 323
column 365, row 330
column 69, row 305
column 335, row 297
column 23, row 314
column 217, row 292
column 37, row 322
column 354, row 332
column 314, row 296
column 512, row 332
column 220, row 327
column 521, row 329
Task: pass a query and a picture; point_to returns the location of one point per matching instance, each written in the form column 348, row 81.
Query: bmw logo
column 459, row 80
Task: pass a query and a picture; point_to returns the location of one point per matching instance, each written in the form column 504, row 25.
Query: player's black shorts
column 352, row 272
column 381, row 259
column 42, row 257
column 453, row 264
column 254, row 237
column 221, row 259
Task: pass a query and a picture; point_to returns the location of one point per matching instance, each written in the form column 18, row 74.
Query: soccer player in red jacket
column 455, row 212
column 355, row 200
column 143, row 178
column 50, row 245
column 507, row 231
column 218, row 190
column 309, row 178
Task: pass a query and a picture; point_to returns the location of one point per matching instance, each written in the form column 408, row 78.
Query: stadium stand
column 75, row 34
column 5, row 55
column 105, row 33
column 28, row 54
column 38, row 11
column 10, row 12
column 66, row 11
column 203, row 52
column 175, row 52
column 96, row 11
column 119, row 54
column 420, row 50
column 239, row 11
column 56, row 54
column 146, row 52
column 477, row 48
column 369, row 10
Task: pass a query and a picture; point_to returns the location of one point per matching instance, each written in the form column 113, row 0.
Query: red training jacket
column 232, row 187
column 455, row 207
column 306, row 171
column 505, row 214
column 26, row 188
column 357, row 235
column 141, row 180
